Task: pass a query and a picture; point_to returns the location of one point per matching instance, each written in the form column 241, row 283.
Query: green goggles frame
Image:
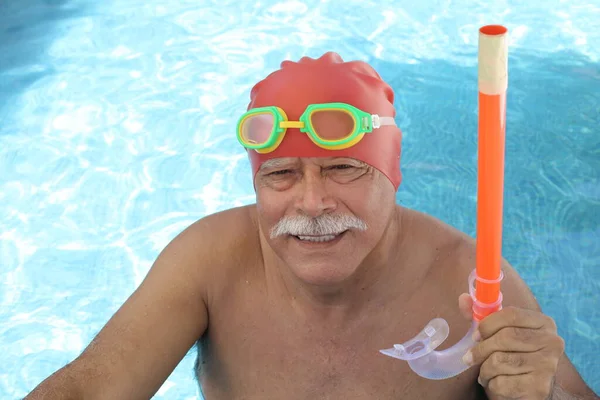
column 363, row 123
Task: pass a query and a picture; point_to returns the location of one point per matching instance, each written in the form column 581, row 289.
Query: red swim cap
column 325, row 80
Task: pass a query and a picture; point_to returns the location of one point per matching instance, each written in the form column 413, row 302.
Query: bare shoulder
column 450, row 258
column 434, row 235
column 206, row 247
column 224, row 230
column 228, row 239
column 455, row 258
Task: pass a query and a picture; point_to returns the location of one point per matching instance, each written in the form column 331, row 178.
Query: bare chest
column 266, row 356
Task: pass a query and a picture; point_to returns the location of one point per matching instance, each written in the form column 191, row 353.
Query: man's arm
column 149, row 335
column 568, row 383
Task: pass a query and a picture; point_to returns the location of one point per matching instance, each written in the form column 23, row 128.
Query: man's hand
column 518, row 351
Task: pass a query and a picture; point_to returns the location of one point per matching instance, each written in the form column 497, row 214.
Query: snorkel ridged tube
column 484, row 281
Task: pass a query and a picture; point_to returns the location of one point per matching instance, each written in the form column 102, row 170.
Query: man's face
column 323, row 216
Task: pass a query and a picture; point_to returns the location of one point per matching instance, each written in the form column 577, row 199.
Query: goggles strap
column 380, row 121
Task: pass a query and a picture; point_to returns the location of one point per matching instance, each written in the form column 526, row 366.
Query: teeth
column 325, row 238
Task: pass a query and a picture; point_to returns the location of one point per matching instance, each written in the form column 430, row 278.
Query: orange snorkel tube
column 492, row 83
column 484, row 281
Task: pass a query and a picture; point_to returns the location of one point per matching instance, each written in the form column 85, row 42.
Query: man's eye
column 341, row 166
column 280, row 172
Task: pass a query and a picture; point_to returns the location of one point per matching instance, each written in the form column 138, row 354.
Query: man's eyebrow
column 350, row 160
column 275, row 163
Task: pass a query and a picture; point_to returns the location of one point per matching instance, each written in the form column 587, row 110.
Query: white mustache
column 323, row 225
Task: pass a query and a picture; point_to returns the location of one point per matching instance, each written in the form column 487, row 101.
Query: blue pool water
column 116, row 132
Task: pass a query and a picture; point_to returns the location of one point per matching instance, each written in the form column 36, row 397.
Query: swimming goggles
column 333, row 126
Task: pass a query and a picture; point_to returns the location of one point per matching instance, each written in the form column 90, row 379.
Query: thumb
column 465, row 305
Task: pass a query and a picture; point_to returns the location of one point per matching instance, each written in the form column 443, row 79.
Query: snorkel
column 484, row 281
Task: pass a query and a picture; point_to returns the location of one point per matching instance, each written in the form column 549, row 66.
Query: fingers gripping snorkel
column 484, row 281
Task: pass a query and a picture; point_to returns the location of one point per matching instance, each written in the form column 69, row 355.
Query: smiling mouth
column 320, row 238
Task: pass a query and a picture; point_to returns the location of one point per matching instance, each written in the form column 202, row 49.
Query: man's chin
column 321, row 261
column 325, row 271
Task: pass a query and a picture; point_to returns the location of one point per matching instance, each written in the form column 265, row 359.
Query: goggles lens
column 332, row 125
column 257, row 128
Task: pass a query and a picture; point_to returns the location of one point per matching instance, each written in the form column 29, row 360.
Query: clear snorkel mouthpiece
column 420, row 352
column 425, row 360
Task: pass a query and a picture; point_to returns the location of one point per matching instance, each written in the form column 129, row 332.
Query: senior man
column 292, row 297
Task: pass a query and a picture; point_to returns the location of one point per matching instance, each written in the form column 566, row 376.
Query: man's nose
column 314, row 199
